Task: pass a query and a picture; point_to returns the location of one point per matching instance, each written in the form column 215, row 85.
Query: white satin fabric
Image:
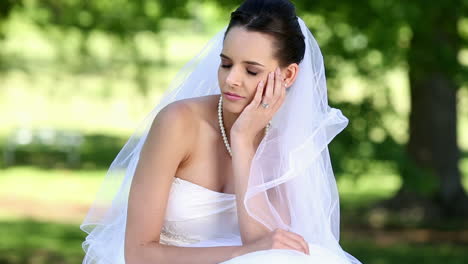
column 195, row 214
column 200, row 217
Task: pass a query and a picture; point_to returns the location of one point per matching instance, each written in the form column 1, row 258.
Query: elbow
column 139, row 254
column 249, row 240
column 251, row 237
column 246, row 239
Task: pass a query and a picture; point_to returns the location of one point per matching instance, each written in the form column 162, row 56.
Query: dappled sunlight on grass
column 50, row 185
column 56, row 195
column 65, row 195
column 51, row 240
column 60, row 186
column 30, row 241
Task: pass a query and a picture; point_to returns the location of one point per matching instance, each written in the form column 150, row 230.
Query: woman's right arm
column 167, row 147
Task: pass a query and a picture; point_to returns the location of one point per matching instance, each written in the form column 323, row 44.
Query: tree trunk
column 432, row 171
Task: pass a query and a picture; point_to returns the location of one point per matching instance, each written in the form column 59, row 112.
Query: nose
column 233, row 77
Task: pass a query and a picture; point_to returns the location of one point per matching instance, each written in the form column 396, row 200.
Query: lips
column 234, row 95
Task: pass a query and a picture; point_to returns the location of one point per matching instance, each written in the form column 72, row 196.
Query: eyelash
column 249, row 72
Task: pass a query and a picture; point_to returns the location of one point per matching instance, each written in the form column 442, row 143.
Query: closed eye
column 251, row 73
column 227, row 66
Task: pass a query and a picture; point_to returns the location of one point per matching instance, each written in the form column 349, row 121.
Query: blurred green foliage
column 97, row 67
column 60, row 149
column 95, row 51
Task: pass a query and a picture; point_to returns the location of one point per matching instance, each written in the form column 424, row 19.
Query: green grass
column 50, row 185
column 80, row 186
column 29, row 241
column 368, row 252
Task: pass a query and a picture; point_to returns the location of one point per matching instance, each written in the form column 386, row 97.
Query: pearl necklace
column 221, row 126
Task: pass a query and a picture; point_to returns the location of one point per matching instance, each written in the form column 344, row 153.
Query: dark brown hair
column 276, row 18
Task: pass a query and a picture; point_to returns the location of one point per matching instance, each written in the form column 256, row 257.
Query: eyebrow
column 248, row 62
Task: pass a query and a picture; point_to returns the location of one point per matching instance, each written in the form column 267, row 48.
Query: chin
column 233, row 107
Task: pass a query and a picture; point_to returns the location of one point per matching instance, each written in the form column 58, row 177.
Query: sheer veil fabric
column 291, row 182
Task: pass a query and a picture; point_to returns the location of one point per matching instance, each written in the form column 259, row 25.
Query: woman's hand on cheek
column 269, row 97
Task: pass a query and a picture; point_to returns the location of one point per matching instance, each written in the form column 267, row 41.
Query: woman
column 230, row 167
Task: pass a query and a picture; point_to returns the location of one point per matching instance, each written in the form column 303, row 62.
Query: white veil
column 291, row 182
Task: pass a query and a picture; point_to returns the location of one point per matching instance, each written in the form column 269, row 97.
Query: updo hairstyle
column 276, row 18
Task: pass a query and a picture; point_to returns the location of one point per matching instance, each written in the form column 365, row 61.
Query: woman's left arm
column 244, row 141
column 242, row 155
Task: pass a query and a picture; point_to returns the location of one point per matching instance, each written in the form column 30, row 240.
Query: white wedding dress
column 199, row 217
column 291, row 166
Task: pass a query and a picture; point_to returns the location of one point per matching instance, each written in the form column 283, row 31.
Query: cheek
column 253, row 83
column 252, row 86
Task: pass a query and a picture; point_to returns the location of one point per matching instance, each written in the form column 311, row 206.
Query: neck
column 230, row 118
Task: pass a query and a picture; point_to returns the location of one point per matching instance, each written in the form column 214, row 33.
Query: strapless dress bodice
column 195, row 213
column 199, row 217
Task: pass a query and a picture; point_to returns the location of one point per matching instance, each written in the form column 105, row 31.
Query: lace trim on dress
column 171, row 238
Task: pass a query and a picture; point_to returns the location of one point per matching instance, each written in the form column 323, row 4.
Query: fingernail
column 278, row 70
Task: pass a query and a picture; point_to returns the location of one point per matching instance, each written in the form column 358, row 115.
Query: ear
column 289, row 74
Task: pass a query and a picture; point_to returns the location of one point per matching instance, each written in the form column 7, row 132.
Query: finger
column 267, row 98
column 286, row 244
column 299, row 239
column 292, row 244
column 278, row 84
column 281, row 98
column 258, row 94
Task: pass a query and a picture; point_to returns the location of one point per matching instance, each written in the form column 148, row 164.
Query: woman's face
column 246, row 59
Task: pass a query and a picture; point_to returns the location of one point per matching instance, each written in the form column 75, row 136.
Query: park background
column 76, row 78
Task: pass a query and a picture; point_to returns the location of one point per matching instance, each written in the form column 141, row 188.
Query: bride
column 232, row 166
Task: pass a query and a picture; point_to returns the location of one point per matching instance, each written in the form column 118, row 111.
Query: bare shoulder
column 188, row 113
column 174, row 120
column 181, row 120
column 179, row 113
